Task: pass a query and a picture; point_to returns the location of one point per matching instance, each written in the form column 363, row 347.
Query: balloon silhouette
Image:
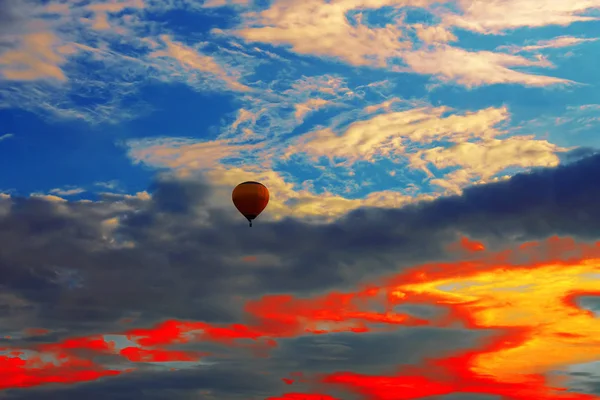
column 250, row 198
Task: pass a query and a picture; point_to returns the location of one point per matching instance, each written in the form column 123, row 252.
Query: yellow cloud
column 486, row 158
column 533, row 298
column 388, row 134
column 49, row 197
column 382, row 106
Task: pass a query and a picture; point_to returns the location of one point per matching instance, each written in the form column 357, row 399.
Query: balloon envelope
column 250, row 198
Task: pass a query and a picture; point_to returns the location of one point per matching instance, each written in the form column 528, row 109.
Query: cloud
column 555, row 43
column 222, row 3
column 487, row 158
column 188, row 250
column 39, row 56
column 272, row 110
column 576, row 119
column 102, row 12
column 496, row 16
column 309, row 106
column 189, row 59
column 391, row 133
column 287, row 200
column 318, row 28
column 48, row 55
column 471, row 69
column 6, row 136
column 67, row 191
column 434, row 34
column 183, row 154
column 323, row 29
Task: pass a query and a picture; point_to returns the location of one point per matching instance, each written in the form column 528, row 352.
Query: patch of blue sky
column 416, row 15
column 354, row 182
column 244, row 158
column 179, row 111
column 196, row 24
column 297, row 171
column 593, row 12
column 317, row 120
column 42, row 157
column 579, row 67
column 575, row 126
column 383, row 174
column 267, row 65
column 260, row 5
column 380, row 17
column 403, row 85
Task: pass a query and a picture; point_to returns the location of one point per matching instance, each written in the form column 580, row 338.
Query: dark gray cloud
column 370, row 354
column 61, row 269
column 207, row 383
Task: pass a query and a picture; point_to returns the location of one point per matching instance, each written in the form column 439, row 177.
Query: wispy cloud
column 6, row 136
column 496, row 16
column 468, row 68
column 189, row 60
column 67, row 191
column 555, row 43
column 182, row 154
column 42, row 66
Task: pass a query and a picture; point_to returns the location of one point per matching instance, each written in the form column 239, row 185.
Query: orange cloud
column 102, row 11
column 526, row 294
column 183, row 154
column 191, row 60
column 39, row 55
column 309, row 106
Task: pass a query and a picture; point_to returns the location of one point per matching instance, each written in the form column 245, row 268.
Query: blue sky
column 115, row 88
column 333, row 105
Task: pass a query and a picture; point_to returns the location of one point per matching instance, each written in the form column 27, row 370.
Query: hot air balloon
column 250, row 198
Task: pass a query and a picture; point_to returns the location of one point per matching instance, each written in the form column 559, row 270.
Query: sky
column 433, row 229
